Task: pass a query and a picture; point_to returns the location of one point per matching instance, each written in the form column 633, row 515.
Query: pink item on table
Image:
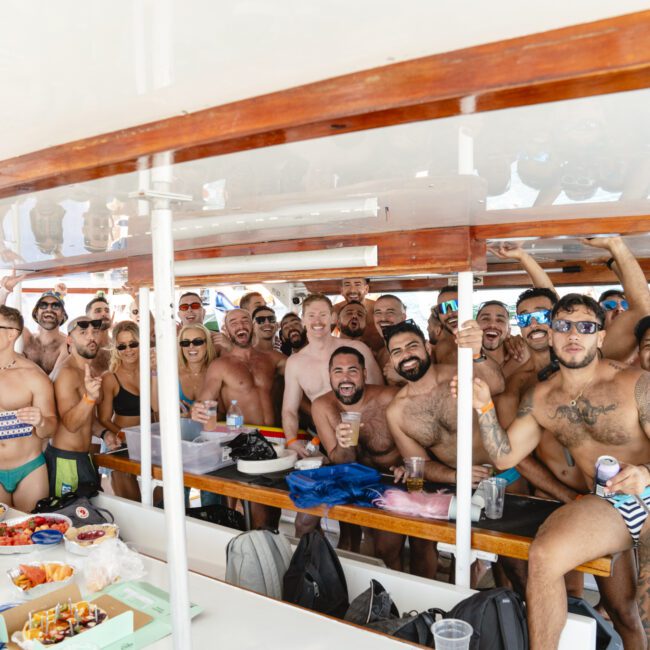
column 416, row 504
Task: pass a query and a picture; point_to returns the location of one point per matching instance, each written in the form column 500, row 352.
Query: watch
column 481, row 357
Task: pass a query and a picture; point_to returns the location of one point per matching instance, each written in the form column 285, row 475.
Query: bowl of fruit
column 16, row 534
column 37, row 578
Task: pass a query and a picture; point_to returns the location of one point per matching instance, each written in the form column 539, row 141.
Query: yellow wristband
column 89, row 400
column 487, row 407
column 290, row 442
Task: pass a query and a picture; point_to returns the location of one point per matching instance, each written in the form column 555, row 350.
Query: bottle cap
column 315, row 441
column 233, row 401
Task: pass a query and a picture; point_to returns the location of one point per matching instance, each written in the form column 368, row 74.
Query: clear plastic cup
column 494, row 490
column 414, row 466
column 211, row 424
column 451, row 634
column 354, row 420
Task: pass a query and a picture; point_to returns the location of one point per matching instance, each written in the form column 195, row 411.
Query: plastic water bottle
column 234, row 418
column 312, row 447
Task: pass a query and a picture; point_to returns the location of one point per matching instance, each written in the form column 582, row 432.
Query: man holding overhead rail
column 594, row 407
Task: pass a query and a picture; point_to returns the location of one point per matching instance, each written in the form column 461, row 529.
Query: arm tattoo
column 495, row 439
column 526, row 404
column 642, row 397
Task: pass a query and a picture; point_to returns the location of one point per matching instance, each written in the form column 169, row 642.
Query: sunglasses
column 448, row 306
column 542, row 317
column 185, row 343
column 85, row 324
column 190, row 305
column 390, row 330
column 122, row 346
column 265, row 319
column 582, row 326
column 54, row 306
column 609, row 305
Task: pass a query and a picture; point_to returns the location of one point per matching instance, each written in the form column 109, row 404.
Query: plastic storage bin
column 198, row 457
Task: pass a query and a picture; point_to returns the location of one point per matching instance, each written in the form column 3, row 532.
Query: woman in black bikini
column 120, row 406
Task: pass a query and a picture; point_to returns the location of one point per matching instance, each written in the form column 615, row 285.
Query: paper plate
column 28, row 548
column 3, row 510
column 286, row 460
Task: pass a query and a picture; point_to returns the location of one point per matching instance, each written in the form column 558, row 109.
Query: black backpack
column 315, row 577
column 606, row 637
column 498, row 618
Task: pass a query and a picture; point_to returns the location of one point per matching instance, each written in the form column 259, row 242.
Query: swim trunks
column 71, row 471
column 631, row 508
column 9, row 478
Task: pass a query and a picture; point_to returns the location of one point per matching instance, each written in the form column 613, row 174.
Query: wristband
column 290, row 442
column 609, row 263
column 103, row 433
column 486, row 407
column 479, row 358
column 88, row 400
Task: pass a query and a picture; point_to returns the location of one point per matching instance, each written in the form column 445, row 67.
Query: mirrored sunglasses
column 542, row 317
column 582, row 326
column 132, row 345
column 190, row 305
column 610, row 305
column 448, row 306
column 185, row 343
column 265, row 319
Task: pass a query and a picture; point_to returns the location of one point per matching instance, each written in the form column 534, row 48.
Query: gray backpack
column 257, row 560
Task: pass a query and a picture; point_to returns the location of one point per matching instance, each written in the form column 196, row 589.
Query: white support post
column 464, row 438
column 18, row 290
column 146, row 489
column 170, row 432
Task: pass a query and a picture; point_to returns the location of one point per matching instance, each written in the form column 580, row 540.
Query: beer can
column 606, row 468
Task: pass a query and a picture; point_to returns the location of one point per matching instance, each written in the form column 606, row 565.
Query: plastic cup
column 451, row 634
column 211, row 424
column 354, row 420
column 495, row 494
column 414, row 466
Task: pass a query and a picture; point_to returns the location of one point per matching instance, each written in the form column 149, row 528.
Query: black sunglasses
column 85, row 324
column 185, row 343
column 265, row 319
column 390, row 330
column 582, row 326
column 54, row 306
column 190, row 305
column 133, row 345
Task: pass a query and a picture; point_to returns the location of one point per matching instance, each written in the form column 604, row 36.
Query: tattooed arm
column 506, row 449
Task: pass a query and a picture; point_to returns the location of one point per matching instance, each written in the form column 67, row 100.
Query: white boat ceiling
column 73, row 70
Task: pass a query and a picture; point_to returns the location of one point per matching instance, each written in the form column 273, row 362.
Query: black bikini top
column 125, row 402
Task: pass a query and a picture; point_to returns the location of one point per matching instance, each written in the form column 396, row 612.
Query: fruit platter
column 36, row 578
column 16, row 534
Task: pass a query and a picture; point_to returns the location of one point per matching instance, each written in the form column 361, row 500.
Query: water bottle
column 234, row 418
column 312, row 447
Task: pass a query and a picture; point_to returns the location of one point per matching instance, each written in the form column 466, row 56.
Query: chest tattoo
column 584, row 412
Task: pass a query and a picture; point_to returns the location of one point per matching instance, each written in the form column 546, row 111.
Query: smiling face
column 268, row 326
column 388, row 311
column 494, row 321
column 409, row 355
column 190, row 310
column 194, row 353
column 644, row 350
column 575, row 350
column 614, row 306
column 317, row 317
column 100, row 310
column 354, row 289
column 352, row 320
column 347, row 378
column 239, row 326
column 128, row 355
column 536, row 335
column 49, row 313
column 449, row 319
column 292, row 330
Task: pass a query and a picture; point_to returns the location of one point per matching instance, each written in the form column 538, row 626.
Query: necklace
column 574, row 401
column 10, row 365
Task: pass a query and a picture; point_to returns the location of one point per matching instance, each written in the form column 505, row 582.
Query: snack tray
column 28, row 548
column 39, row 590
column 79, row 549
column 4, row 508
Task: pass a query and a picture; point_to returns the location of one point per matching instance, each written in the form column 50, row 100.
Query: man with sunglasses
column 265, row 327
column 191, row 312
column 29, row 417
column 77, row 391
column 594, row 407
column 446, row 350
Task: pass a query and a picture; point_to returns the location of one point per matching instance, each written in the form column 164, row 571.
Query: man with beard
column 422, row 417
column 356, row 290
column 77, row 390
column 352, row 321
column 434, row 327
column 388, row 310
column 642, row 334
column 446, row 350
column 376, row 447
column 27, row 400
column 47, row 347
column 292, row 334
column 594, row 407
column 99, row 309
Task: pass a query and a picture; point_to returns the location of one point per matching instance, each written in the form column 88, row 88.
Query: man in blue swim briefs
column 27, row 416
column 593, row 407
column 77, row 388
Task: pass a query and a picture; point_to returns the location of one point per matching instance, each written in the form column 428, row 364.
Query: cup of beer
column 414, row 466
column 211, row 406
column 354, row 420
column 495, row 494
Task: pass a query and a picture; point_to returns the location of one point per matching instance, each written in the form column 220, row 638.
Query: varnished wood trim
column 605, row 56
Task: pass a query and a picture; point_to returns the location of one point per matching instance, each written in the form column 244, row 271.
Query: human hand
column 92, row 385
column 344, row 434
column 470, row 335
column 199, row 412
column 220, row 339
column 391, row 375
column 516, row 348
column 480, row 473
column 399, row 473
column 112, row 440
column 299, row 447
column 632, row 479
column 9, row 282
column 481, row 395
column 507, row 251
column 30, row 415
column 606, row 243
column 152, row 360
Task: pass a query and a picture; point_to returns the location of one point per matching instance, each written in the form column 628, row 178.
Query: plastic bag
column 111, row 562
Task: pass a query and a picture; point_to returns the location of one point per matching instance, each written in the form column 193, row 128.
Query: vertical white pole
column 170, row 431
column 18, row 291
column 465, row 151
column 145, row 398
column 464, row 438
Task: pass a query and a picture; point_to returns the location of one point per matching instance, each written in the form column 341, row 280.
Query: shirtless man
column 251, row 301
column 388, row 310
column 642, row 334
column 422, row 417
column 356, row 290
column 376, row 447
column 265, row 325
column 352, row 321
column 47, row 347
column 446, row 350
column 98, row 309
column 594, row 407
column 292, row 334
column 191, row 312
column 26, row 391
column 434, row 327
column 70, row 466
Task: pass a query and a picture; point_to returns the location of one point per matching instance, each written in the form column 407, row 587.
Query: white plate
column 39, row 590
column 3, row 510
column 285, row 460
column 28, row 548
column 80, row 549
